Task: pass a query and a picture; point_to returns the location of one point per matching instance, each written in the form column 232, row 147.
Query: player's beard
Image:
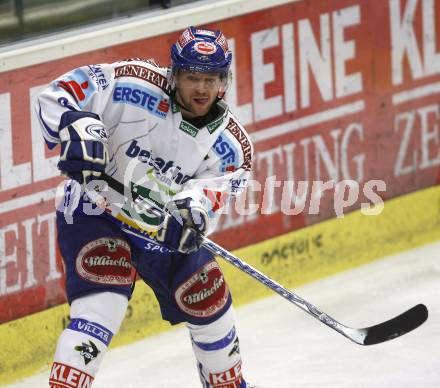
column 189, row 104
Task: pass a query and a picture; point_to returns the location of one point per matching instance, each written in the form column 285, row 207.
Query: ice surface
column 282, row 346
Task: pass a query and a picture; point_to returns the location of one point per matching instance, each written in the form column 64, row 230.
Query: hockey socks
column 217, row 351
column 83, row 344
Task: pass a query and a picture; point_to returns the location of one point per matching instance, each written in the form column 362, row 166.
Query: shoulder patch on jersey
column 143, row 73
column 244, row 141
column 78, row 86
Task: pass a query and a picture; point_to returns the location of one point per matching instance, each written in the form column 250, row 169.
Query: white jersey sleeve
column 83, row 89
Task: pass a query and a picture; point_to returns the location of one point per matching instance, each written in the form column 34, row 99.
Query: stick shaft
column 273, row 285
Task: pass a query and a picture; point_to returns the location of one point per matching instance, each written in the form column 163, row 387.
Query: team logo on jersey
column 140, row 97
column 205, row 48
column 235, row 348
column 205, row 293
column 105, row 261
column 88, row 351
column 97, row 131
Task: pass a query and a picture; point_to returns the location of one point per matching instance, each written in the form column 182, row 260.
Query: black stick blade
column 402, row 324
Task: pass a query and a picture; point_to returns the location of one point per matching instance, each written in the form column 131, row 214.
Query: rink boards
column 336, row 92
column 291, row 259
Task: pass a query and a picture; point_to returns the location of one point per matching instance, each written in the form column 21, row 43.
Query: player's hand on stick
column 184, row 224
column 84, row 152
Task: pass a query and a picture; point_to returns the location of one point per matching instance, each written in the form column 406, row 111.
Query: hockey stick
column 393, row 328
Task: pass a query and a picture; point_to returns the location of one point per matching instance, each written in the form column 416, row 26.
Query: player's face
column 196, row 92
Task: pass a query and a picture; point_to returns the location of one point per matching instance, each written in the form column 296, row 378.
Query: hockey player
column 168, row 135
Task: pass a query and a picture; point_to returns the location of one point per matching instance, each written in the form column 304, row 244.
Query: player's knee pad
column 82, row 345
column 217, row 350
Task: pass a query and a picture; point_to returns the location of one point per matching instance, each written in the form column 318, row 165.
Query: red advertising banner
column 341, row 100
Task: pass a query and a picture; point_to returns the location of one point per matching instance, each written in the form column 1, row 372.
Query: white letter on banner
column 322, row 153
column 305, row 143
column 30, row 275
column 264, row 73
column 344, row 50
column 403, row 40
column 269, row 206
column 10, row 176
column 289, row 150
column 358, row 159
column 429, row 137
column 432, row 58
column 319, row 62
column 8, row 259
column 50, row 218
column 288, row 39
column 244, row 112
column 408, row 118
column 43, row 168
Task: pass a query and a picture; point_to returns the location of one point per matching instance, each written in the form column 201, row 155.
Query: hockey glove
column 84, row 151
column 183, row 225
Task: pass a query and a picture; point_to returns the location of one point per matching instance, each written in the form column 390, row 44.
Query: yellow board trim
column 292, row 259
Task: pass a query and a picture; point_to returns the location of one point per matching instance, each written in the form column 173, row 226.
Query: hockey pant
column 189, row 288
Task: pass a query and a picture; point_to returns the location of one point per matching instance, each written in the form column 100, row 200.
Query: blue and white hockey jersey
column 152, row 149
